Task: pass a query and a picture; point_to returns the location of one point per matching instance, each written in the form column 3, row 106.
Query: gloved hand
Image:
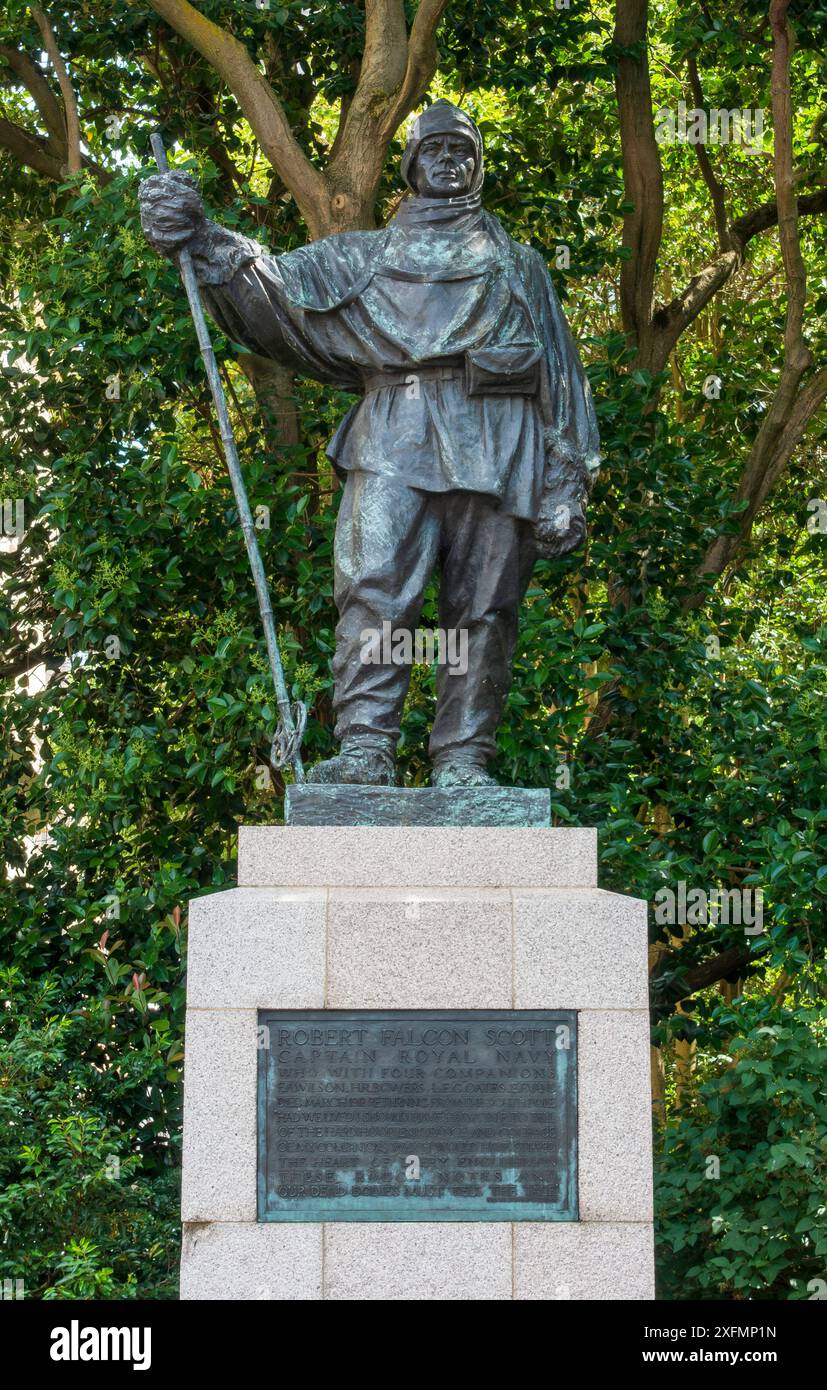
column 560, row 525
column 172, row 211
column 561, row 529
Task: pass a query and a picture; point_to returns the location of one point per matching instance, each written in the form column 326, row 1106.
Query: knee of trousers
column 365, row 607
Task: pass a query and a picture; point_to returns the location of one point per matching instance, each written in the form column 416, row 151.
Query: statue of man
column 471, row 449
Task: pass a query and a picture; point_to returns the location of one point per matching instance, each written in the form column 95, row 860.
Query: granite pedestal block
column 416, row 918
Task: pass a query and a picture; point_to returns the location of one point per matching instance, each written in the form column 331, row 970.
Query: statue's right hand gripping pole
column 290, row 730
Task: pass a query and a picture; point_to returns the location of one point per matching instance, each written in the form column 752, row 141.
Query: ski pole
column 290, row 730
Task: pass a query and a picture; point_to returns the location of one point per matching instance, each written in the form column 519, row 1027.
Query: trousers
column 390, row 539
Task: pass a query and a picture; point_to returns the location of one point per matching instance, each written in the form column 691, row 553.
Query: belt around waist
column 408, row 376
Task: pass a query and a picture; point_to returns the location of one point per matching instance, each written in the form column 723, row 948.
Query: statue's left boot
column 358, row 762
column 456, row 771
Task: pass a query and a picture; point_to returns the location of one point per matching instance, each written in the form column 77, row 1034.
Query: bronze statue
column 473, row 445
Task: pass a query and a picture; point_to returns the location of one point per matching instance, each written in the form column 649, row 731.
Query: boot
column 456, row 770
column 357, row 763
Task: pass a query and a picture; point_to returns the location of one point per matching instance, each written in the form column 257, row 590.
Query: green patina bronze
column 363, row 805
column 469, row 452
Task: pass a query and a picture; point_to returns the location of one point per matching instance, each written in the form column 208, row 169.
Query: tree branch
column 421, row 62
column 24, row 662
column 32, row 150
column 394, row 73
column 273, row 385
column 790, row 410
column 386, row 41
column 259, row 103
column 669, row 989
column 798, row 357
column 642, row 173
column 393, row 77
column 716, row 191
column 766, row 215
column 672, row 319
column 38, row 88
column 74, row 161
column 655, row 331
column 765, row 465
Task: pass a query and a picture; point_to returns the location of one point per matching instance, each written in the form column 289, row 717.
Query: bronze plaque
column 417, row 1116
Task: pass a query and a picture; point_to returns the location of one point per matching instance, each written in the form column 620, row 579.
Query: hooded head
column 442, row 118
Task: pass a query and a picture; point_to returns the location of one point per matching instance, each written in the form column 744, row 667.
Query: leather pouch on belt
column 513, row 370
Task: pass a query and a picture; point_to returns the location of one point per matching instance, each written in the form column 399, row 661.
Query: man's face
column 444, row 166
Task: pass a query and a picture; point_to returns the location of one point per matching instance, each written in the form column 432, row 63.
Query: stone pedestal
column 400, row 917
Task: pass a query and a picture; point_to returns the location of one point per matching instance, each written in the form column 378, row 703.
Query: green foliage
column 692, row 736
column 754, row 1223
column 88, row 1147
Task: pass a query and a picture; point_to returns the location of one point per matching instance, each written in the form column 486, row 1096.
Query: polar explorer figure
column 471, row 450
